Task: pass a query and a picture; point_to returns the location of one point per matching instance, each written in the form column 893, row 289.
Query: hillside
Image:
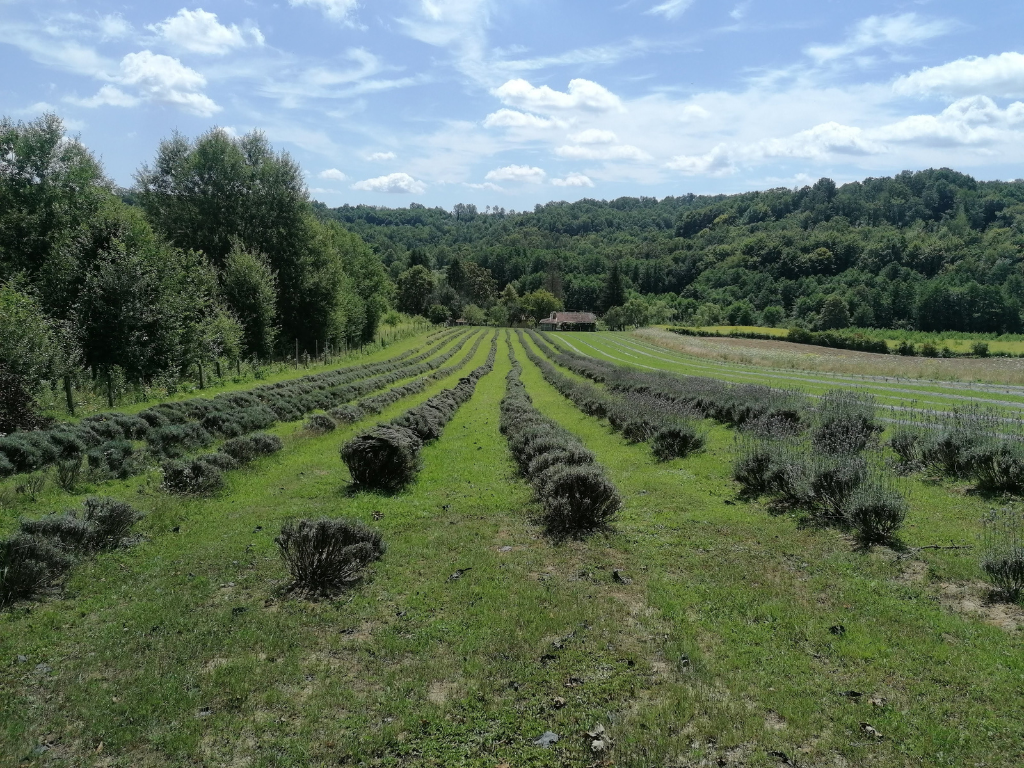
column 933, row 250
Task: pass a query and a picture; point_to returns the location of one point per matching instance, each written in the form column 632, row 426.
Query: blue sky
column 517, row 102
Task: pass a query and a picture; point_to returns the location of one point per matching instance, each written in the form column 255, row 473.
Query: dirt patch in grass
column 975, row 599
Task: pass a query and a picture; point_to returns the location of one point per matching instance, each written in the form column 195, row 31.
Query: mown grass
column 184, row 650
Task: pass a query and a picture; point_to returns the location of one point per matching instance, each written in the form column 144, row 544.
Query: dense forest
column 215, row 253
column 935, row 250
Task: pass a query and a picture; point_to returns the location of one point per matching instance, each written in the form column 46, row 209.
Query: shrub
column 176, row 440
column 221, row 461
column 1003, row 551
column 114, row 458
column 346, row 414
column 569, row 456
column 577, row 499
column 191, row 477
column 845, row 422
column 68, row 531
column 325, row 555
column 965, row 436
column 27, row 451
column 321, row 424
column 979, row 349
column 29, row 566
column 6, row 468
column 753, row 468
column 834, row 482
column 876, row 511
column 676, row 441
column 906, row 444
column 1000, row 469
column 246, row 449
column 929, row 350
column 68, row 445
column 113, row 520
column 386, row 458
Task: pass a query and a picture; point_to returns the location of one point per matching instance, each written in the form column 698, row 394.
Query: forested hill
column 934, row 250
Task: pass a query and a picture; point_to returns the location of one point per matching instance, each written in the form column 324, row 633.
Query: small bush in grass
column 29, row 565
column 346, row 414
column 568, row 456
column 113, row 520
column 965, row 435
column 577, row 499
column 906, row 444
column 68, row 531
column 876, row 511
column 1003, row 551
column 6, row 468
column 191, row 477
column 68, row 445
column 219, row 460
column 845, row 422
column 246, row 449
column 1000, row 469
column 753, row 467
column 834, row 482
column 113, row 459
column 676, row 441
column 321, row 424
column 324, row 556
column 384, row 459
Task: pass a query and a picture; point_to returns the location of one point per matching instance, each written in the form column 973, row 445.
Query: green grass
column 184, row 651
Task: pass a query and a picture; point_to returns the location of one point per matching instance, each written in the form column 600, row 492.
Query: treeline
column 935, row 250
column 215, row 253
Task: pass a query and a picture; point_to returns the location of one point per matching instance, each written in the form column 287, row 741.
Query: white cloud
column 594, row 136
column 717, row 162
column 819, row 142
column 672, row 8
column 510, row 118
column 611, row 152
column 973, row 121
column 905, row 29
column 381, row 156
column 573, row 180
column 1000, row 75
column 165, row 79
column 108, row 95
column 338, row 10
column 199, row 31
column 460, row 25
column 485, row 185
column 523, row 173
column 395, row 183
column 582, row 95
column 740, row 11
column 114, row 27
column 333, row 174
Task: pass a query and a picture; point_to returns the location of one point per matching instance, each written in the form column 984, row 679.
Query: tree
column 439, row 314
column 473, row 315
column 498, row 315
column 479, row 287
column 635, row 312
column 414, row 288
column 740, row 313
column 614, row 293
column 31, row 344
column 772, row 316
column 456, row 274
column 250, row 288
column 615, row 319
column 539, row 304
column 50, row 187
column 834, row 313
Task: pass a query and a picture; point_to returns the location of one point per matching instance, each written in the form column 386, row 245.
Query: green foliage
column 250, row 289
column 414, row 288
column 473, row 315
column 540, row 304
column 439, row 314
column 324, row 556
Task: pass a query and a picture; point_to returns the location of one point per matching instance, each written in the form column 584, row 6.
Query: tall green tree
column 250, row 289
column 614, row 293
column 414, row 288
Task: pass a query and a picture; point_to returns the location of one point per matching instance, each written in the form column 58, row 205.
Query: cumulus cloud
column 510, row 118
column 394, row 183
column 523, row 173
column 594, row 136
column 338, row 10
column 164, row 79
column 671, row 8
column 974, row 121
column 819, row 142
column 1001, row 75
column 108, row 95
column 333, row 174
column 902, row 30
column 381, row 156
column 114, row 27
column 607, row 152
column 199, row 31
column 581, row 95
column 573, row 180
column 717, row 162
column 485, row 185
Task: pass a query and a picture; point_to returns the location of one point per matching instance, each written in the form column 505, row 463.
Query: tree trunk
column 110, row 390
column 67, row 393
column 202, row 381
column 219, row 374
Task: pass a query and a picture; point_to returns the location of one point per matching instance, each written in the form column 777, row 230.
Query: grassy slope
column 151, row 653
column 750, row 599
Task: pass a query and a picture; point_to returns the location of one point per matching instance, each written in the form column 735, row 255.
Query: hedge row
column 833, row 339
column 387, row 457
column 204, row 474
column 671, row 429
column 174, row 429
column 36, row 558
column 573, row 489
